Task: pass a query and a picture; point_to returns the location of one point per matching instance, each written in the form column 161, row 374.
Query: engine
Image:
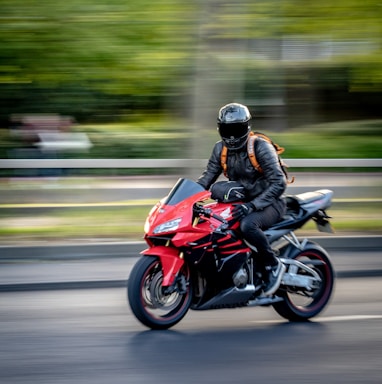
column 240, row 278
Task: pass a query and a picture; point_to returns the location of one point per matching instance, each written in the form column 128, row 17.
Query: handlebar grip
column 219, row 218
column 208, row 213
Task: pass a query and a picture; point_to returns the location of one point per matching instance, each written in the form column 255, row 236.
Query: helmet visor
column 235, row 130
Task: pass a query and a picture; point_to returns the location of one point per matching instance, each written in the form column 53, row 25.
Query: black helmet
column 233, row 125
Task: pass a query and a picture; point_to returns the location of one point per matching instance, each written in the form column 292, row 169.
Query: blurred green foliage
column 345, row 139
column 105, row 61
column 90, row 58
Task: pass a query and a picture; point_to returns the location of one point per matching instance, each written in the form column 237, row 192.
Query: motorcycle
column 197, row 259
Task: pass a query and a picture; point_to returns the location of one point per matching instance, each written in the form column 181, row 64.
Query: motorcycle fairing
column 170, row 260
column 182, row 238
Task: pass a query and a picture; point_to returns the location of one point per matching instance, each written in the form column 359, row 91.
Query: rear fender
column 170, row 260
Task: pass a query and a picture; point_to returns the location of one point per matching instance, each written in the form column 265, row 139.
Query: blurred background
column 145, row 79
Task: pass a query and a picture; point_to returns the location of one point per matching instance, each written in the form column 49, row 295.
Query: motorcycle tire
column 299, row 304
column 148, row 300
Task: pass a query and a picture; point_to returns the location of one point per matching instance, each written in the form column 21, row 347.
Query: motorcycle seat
column 296, row 202
column 307, row 197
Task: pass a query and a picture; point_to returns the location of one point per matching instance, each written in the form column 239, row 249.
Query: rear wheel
column 152, row 304
column 300, row 304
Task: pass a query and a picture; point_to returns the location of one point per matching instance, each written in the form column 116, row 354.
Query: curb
column 58, row 286
column 102, row 284
column 349, row 242
column 71, row 251
column 96, row 250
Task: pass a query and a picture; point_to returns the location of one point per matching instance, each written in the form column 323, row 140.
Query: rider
column 265, row 205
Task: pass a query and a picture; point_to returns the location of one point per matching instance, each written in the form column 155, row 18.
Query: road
column 90, row 336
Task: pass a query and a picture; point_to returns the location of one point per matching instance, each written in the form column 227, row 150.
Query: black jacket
column 263, row 188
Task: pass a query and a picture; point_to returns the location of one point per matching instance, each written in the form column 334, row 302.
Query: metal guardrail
column 173, row 163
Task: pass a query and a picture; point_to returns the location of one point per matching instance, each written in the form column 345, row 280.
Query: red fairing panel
column 170, row 260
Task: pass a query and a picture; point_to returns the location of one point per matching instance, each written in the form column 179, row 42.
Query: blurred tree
column 99, row 59
column 90, row 57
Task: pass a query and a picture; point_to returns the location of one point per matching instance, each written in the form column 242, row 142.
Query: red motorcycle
column 197, row 258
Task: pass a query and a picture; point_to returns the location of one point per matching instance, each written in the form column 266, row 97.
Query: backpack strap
column 278, row 148
column 251, row 151
column 223, row 160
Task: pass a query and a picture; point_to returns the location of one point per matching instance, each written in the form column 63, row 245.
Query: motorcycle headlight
column 168, row 226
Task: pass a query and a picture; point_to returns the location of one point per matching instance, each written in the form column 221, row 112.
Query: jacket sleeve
column 273, row 178
column 214, row 168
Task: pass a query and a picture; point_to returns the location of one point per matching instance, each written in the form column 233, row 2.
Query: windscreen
column 183, row 188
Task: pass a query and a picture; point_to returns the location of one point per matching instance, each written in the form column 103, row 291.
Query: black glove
column 241, row 210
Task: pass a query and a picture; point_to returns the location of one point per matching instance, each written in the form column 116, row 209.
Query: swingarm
column 291, row 277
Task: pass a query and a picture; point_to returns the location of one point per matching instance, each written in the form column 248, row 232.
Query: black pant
column 252, row 227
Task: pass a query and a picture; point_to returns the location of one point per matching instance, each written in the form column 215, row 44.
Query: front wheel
column 152, row 304
column 300, row 304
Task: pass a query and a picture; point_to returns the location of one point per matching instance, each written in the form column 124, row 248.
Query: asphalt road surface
column 90, row 336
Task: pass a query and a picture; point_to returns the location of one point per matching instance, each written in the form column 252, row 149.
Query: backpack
column 252, row 156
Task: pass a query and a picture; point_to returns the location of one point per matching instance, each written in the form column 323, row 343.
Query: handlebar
column 207, row 212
